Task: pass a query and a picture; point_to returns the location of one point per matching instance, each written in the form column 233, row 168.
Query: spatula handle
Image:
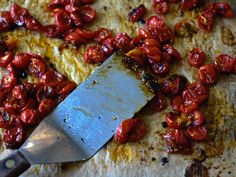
column 13, row 165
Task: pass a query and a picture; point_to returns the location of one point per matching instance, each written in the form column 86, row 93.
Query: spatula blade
column 88, row 117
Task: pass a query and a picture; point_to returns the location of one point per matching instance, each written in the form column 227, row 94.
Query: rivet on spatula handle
column 13, row 165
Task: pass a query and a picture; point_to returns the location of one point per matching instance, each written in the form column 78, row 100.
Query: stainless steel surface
column 88, row 117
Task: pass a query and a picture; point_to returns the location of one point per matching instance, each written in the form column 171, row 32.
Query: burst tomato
column 225, row 63
column 137, row 13
column 37, row 67
column 205, row 20
column 13, row 137
column 28, row 117
column 208, row 74
column 87, row 13
column 94, row 55
column 102, row 34
column 196, row 57
column 197, row 133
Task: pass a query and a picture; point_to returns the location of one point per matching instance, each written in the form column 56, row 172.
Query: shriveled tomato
column 165, row 35
column 205, row 20
column 151, row 43
column 75, row 16
column 51, row 31
column 6, row 22
column 28, row 117
column 31, row 23
column 45, row 92
column 51, row 77
column 183, row 29
column 190, row 103
column 137, row 13
column 152, row 53
column 144, row 34
column 63, row 20
column 196, row 118
column 161, row 69
column 122, row 41
column 154, row 22
column 22, row 60
column 130, row 130
column 30, row 104
column 6, row 59
column 177, row 142
column 225, row 63
column 197, row 133
column 37, row 67
column 46, row 106
column 8, row 81
column 19, row 14
column 108, row 46
column 102, row 34
column 189, row 4
column 161, row 8
column 7, row 118
column 173, row 85
column 158, row 103
column 196, row 57
column 75, row 38
column 208, row 74
column 87, row 13
column 13, row 137
column 94, row 55
column 224, row 9
column 19, row 92
column 172, row 51
column 177, row 121
column 199, row 92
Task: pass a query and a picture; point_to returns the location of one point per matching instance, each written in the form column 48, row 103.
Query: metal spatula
column 84, row 121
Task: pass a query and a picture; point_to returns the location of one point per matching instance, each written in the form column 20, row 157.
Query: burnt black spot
column 164, row 160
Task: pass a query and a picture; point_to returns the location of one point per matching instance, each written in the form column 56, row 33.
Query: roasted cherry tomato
column 13, row 137
column 197, row 133
column 86, row 1
column 28, row 117
column 189, row 4
column 108, row 46
column 122, row 41
column 76, row 17
column 32, row 24
column 65, row 87
column 165, row 35
column 51, row 77
column 151, row 43
column 19, row 14
column 102, row 34
column 172, row 51
column 37, row 67
column 8, row 81
column 138, row 55
column 22, row 60
column 161, row 8
column 161, row 69
column 154, row 22
column 177, row 142
column 173, row 85
column 205, row 20
column 6, row 21
column 87, row 13
column 30, row 104
column 158, row 103
column 153, row 53
column 137, row 13
column 196, row 118
column 6, row 59
column 144, row 34
column 130, row 130
column 225, row 63
column 94, row 55
column 183, row 29
column 196, row 57
column 224, row 9
column 51, row 31
column 75, row 38
column 46, row 106
column 45, row 92
column 7, row 118
column 199, row 92
column 177, row 121
column 19, row 92
column 208, row 74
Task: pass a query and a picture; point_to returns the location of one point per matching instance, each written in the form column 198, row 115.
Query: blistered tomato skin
column 46, row 106
column 28, row 117
column 102, row 34
column 161, row 69
column 6, row 59
column 94, row 55
column 197, row 133
column 158, row 103
column 123, row 41
column 6, row 21
column 37, row 67
column 225, row 63
column 196, row 57
column 22, row 60
column 19, row 92
column 13, row 137
column 88, row 14
column 161, row 8
column 208, row 74
column 172, row 51
column 137, row 13
column 189, row 4
column 205, row 20
column 155, row 22
column 224, row 9
column 108, row 46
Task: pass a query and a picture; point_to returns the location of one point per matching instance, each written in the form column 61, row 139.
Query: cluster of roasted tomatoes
column 23, row 104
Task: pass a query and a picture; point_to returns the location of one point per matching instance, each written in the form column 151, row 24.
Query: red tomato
column 3, row 47
column 22, row 60
column 65, row 87
column 86, row 1
column 13, row 137
column 102, row 34
column 45, row 92
column 144, row 34
column 122, row 41
column 63, row 20
column 6, row 59
column 177, row 121
column 19, row 14
column 177, row 142
column 32, row 24
column 199, row 92
column 45, row 107
column 51, row 77
column 8, row 81
column 154, row 22
column 108, row 46
column 161, row 69
column 196, row 118
column 158, row 103
column 166, row 57
column 189, row 4
column 225, row 63
column 137, row 13
column 6, row 22
column 30, row 104
column 7, row 118
column 173, row 85
column 208, row 74
column 224, row 9
column 196, row 57
column 14, row 105
column 94, row 55
column 51, row 31
column 172, row 51
column 205, row 20
column 197, row 133
column 152, row 53
column 161, row 8
column 75, row 38
column 211, row 7
column 37, row 67
column 87, row 13
column 130, row 130
column 151, row 43
column 75, row 16
column 164, row 35
column 28, row 117
column 190, row 103
column 19, row 92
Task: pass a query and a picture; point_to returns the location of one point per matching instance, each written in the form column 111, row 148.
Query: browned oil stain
column 196, row 170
